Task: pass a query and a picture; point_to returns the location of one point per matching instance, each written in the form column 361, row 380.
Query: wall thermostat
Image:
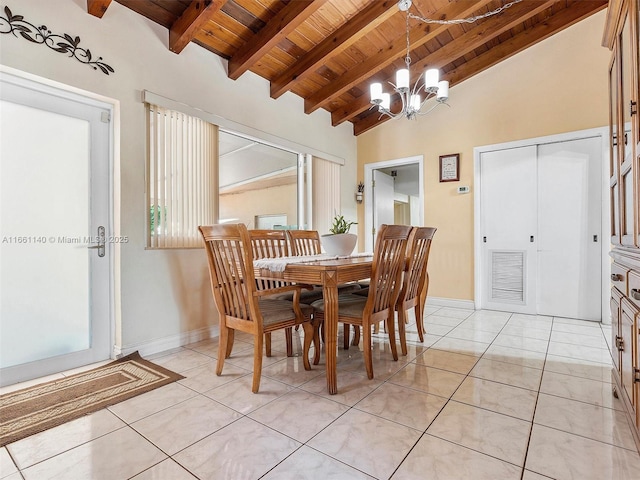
column 463, row 189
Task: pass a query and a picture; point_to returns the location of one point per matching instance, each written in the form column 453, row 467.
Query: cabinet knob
column 635, row 294
column 616, row 277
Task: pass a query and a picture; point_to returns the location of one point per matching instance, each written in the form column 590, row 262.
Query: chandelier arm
column 387, row 112
column 435, row 106
column 405, row 101
column 427, row 98
column 417, row 86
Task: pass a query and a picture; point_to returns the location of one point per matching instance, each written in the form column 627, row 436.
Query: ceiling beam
column 185, row 28
column 281, row 25
column 97, row 7
column 357, row 27
column 576, row 12
column 419, row 35
column 460, row 46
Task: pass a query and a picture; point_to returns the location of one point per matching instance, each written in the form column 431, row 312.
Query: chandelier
column 429, row 83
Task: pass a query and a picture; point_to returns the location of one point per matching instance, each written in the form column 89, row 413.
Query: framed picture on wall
column 450, row 167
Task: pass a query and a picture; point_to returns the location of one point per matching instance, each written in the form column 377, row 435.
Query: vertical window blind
column 326, row 193
column 182, row 177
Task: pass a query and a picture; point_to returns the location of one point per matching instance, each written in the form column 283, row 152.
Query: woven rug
column 34, row 409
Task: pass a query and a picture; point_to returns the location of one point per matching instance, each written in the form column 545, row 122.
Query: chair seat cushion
column 310, row 296
column 349, row 305
column 276, row 311
column 363, row 292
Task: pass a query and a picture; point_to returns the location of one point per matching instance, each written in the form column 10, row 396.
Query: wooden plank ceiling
column 329, row 51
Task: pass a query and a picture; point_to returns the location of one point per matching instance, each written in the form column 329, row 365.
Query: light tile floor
column 489, row 395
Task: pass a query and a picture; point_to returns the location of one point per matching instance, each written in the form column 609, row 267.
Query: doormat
column 34, row 409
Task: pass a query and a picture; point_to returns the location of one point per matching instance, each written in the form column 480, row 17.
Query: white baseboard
column 185, row 338
column 166, row 343
column 450, row 302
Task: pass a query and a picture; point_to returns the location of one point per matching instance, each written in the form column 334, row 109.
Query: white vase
column 340, row 244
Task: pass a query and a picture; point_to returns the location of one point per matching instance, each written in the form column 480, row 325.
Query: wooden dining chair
column 307, row 242
column 304, row 242
column 273, row 244
column 415, row 282
column 386, row 277
column 240, row 304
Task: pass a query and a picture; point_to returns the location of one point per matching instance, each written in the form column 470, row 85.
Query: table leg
column 330, row 293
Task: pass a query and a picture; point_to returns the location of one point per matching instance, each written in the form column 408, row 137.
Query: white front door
column 55, row 308
column 509, row 216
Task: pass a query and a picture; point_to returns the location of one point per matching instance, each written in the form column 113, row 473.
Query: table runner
column 280, row 264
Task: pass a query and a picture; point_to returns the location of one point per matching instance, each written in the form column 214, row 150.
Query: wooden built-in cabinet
column 622, row 37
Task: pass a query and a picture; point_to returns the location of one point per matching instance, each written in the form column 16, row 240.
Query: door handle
column 101, row 242
column 635, row 294
column 616, row 277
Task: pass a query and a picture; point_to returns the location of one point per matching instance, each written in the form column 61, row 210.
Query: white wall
column 162, row 293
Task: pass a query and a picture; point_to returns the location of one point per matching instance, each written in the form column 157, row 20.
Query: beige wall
column 556, row 86
column 269, row 201
column 162, row 295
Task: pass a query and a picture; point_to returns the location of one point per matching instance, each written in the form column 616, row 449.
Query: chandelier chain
column 462, row 20
column 407, row 58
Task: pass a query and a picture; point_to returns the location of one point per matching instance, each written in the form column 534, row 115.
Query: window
column 257, row 182
column 182, row 178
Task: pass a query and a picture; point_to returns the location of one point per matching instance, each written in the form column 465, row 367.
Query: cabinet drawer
column 619, row 277
column 634, row 287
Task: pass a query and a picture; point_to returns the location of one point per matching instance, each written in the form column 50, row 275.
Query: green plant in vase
column 340, row 225
column 339, row 242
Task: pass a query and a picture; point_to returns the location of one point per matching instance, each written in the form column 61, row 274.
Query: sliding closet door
column 541, row 229
column 569, row 210
column 509, row 223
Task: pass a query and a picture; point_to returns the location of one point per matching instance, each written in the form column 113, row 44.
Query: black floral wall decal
column 17, row 25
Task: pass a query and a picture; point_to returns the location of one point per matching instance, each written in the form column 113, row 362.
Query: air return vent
column 507, row 276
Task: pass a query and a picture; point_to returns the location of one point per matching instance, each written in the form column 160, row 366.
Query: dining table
column 328, row 272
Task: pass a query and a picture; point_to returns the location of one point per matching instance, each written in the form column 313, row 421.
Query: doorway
column 56, row 230
column 394, row 193
column 539, row 223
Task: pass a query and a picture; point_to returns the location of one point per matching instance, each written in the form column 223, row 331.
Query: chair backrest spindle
column 231, row 280
column 268, row 244
column 304, row 242
column 388, row 264
column 417, row 259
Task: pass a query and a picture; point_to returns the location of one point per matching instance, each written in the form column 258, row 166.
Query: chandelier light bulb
column 376, row 92
column 431, row 79
column 443, row 91
column 402, row 79
column 415, row 102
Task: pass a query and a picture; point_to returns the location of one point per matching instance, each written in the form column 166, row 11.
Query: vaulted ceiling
column 329, row 51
